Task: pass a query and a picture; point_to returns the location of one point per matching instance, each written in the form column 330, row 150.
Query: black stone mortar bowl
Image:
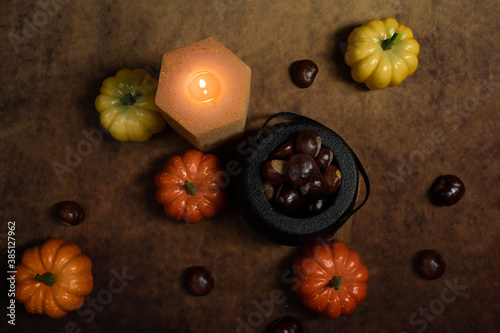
column 299, row 231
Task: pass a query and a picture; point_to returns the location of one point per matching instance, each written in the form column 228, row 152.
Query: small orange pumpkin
column 331, row 279
column 191, row 186
column 53, row 278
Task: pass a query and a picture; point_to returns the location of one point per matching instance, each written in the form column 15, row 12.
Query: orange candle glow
column 204, row 87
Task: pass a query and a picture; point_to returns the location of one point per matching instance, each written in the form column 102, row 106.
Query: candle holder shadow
column 297, row 231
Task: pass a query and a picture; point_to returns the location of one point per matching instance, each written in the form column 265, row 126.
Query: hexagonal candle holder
column 203, row 92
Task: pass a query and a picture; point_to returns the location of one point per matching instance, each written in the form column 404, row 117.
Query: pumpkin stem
column 387, row 43
column 128, row 99
column 335, row 282
column 190, row 189
column 47, row 278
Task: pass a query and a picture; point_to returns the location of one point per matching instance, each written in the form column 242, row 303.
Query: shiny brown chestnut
column 199, row 281
column 69, row 213
column 286, row 324
column 274, row 171
column 284, row 151
column 332, row 178
column 313, row 206
column 430, row 264
column 308, row 142
column 315, row 187
column 324, row 158
column 304, row 72
column 289, row 201
column 448, row 190
column 299, row 169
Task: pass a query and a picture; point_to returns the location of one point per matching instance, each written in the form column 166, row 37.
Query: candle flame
column 204, row 87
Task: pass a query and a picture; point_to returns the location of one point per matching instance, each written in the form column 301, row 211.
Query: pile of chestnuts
column 300, row 179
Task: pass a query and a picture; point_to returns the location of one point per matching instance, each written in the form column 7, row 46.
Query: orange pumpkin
column 331, row 279
column 191, row 186
column 53, row 278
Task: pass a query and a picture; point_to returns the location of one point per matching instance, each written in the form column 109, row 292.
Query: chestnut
column 314, row 206
column 315, row 187
column 299, row 169
column 69, row 213
column 448, row 190
column 332, row 179
column 308, row 142
column 289, row 200
column 304, row 72
column 284, row 151
column 286, row 324
column 324, row 158
column 430, row 264
column 199, row 281
column 274, row 171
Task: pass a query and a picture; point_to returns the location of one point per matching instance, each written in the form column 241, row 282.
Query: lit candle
column 203, row 92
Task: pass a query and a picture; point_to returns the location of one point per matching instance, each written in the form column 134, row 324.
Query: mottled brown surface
column 48, row 91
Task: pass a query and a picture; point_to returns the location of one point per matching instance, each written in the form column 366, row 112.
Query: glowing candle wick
column 204, row 87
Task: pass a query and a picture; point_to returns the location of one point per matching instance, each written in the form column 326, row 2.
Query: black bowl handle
column 298, row 117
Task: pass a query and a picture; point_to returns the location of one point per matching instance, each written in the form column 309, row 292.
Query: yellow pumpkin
column 381, row 53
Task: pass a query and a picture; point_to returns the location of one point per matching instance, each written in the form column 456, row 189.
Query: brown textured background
column 48, row 91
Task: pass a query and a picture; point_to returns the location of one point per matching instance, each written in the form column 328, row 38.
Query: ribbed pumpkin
column 53, row 278
column 331, row 279
column 191, row 186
